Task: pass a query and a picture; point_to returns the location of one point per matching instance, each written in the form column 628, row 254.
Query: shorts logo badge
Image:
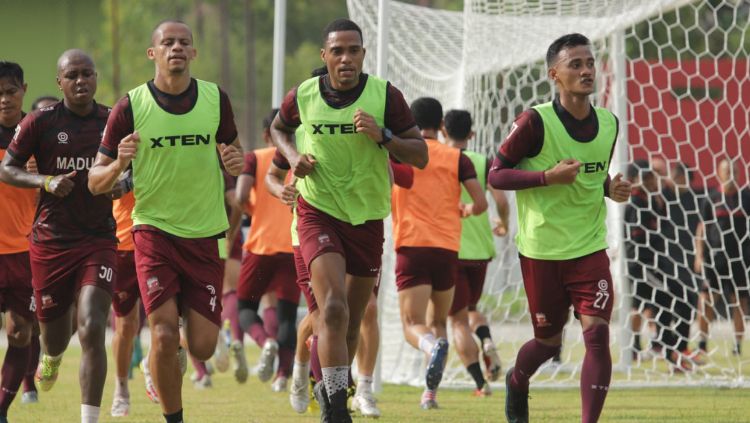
column 153, row 285
column 62, row 138
column 48, row 302
column 123, row 296
column 603, row 285
column 541, row 320
column 324, row 239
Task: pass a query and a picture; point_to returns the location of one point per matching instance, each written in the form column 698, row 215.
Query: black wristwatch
column 387, row 136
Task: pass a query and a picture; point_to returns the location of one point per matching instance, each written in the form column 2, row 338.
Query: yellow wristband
column 47, row 180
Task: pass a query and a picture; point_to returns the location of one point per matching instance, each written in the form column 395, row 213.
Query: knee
column 91, row 332
column 202, row 349
column 19, row 336
column 336, row 313
column 597, row 336
column 127, row 328
column 371, row 314
column 165, row 339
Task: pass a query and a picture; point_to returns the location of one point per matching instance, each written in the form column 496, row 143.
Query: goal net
column 676, row 74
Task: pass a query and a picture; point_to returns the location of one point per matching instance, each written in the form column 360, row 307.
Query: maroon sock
column 270, row 321
column 200, row 367
column 315, row 360
column 286, row 360
column 229, row 302
column 595, row 373
column 34, row 350
column 531, row 355
column 258, row 333
column 13, row 371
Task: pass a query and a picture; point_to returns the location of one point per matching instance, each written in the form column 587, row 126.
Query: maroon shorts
column 168, row 266
column 425, row 266
column 469, row 284
column 236, row 252
column 16, row 293
column 263, row 273
column 360, row 245
column 58, row 273
column 125, row 292
column 303, row 281
column 552, row 286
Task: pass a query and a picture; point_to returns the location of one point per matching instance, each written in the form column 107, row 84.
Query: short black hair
column 165, row 21
column 458, row 124
column 342, row 24
column 428, row 112
column 35, row 104
column 566, row 41
column 269, row 119
column 11, row 71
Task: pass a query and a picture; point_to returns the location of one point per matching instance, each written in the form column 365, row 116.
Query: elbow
column 420, row 162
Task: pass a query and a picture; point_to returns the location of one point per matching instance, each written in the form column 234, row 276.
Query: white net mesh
column 676, row 74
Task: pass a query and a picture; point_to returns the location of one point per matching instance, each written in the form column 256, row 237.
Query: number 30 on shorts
column 105, row 273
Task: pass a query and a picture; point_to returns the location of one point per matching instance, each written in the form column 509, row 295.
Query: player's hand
column 619, row 190
column 118, row 190
column 289, row 194
column 500, row 228
column 232, row 159
column 366, row 124
column 466, row 209
column 128, row 149
column 61, row 185
column 303, row 165
column 564, row 172
column 698, row 264
column 31, row 166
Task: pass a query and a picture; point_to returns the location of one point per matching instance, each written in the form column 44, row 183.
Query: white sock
column 335, row 379
column 121, row 387
column 301, row 370
column 89, row 414
column 364, row 384
column 426, row 342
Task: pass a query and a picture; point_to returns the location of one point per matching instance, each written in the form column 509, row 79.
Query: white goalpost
column 677, row 75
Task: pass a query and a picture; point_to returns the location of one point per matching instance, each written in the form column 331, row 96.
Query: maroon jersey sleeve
column 403, row 174
column 466, row 168
column 280, row 161
column 26, row 139
column 398, row 117
column 227, row 132
column 230, row 182
column 119, row 125
column 524, row 140
column 288, row 111
column 251, row 164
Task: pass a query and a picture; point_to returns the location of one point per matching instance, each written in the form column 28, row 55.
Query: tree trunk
column 250, row 113
column 225, row 78
column 115, row 17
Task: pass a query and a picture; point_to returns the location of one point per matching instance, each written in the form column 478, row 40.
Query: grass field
column 228, row 402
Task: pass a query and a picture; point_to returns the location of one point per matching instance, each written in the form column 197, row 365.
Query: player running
column 557, row 156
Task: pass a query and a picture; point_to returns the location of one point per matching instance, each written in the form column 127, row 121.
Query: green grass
column 228, row 402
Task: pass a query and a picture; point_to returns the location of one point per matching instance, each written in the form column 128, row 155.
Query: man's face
column 575, row 70
column 77, row 79
column 343, row 55
column 11, row 100
column 726, row 172
column 172, row 48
